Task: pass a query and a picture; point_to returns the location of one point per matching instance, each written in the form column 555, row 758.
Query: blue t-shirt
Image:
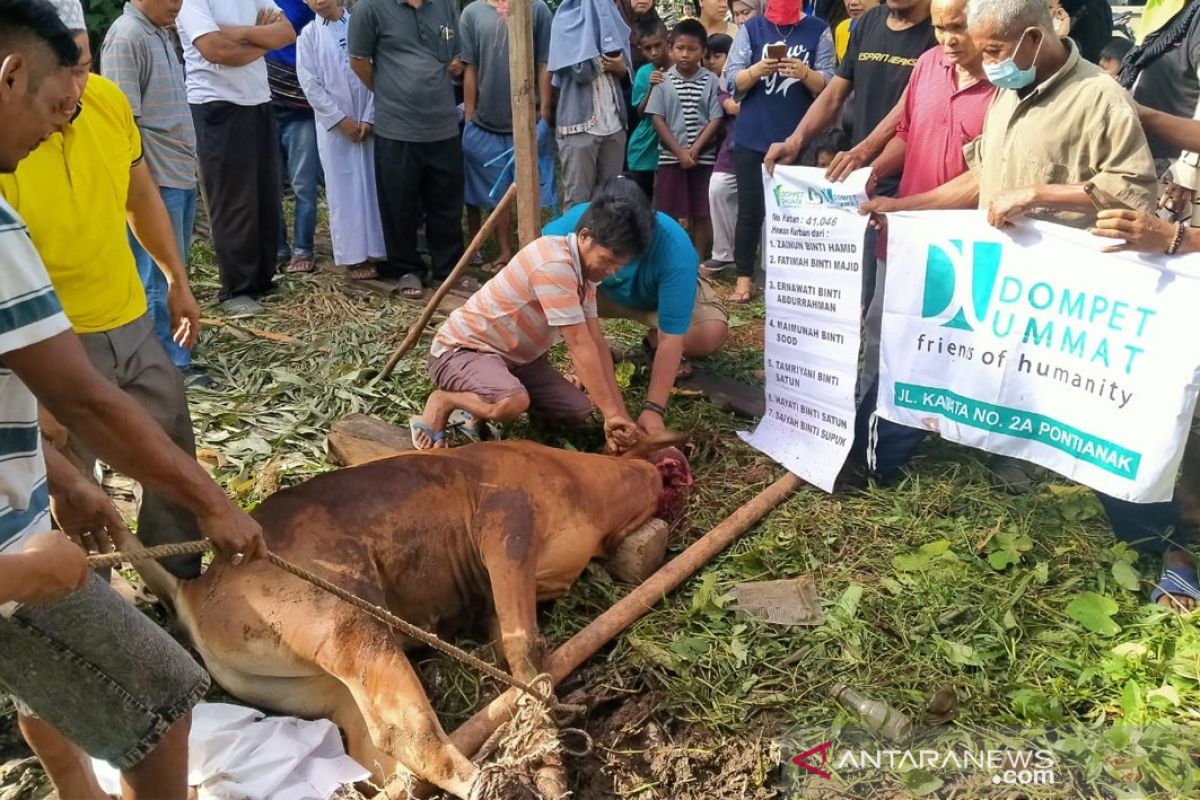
column 663, row 279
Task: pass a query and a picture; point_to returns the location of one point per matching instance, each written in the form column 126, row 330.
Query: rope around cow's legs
column 374, row 611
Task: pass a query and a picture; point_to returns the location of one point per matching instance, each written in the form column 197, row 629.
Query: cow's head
column 662, row 450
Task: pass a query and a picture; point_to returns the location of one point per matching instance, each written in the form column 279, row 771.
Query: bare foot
column 1181, row 603
column 742, row 291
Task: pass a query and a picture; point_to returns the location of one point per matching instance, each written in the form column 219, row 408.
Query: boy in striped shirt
column 686, row 113
column 489, row 358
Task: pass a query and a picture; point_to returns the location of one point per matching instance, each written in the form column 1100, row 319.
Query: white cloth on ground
column 237, row 753
column 335, row 93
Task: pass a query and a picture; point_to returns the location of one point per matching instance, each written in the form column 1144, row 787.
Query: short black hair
column 833, row 140
column 619, row 218
column 651, row 27
column 720, row 44
column 693, row 28
column 36, row 21
column 1116, row 49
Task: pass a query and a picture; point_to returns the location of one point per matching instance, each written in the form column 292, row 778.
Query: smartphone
column 777, row 51
column 613, row 54
column 1101, row 199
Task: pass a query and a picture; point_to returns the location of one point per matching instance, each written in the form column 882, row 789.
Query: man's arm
column 1176, row 131
column 272, row 31
column 861, row 154
column 587, row 356
column 891, row 160
column 545, row 92
column 667, row 358
column 666, row 137
column 80, row 506
column 365, row 70
column 706, row 135
column 962, row 192
column 120, row 432
column 821, row 115
column 219, row 49
column 470, row 91
column 151, row 224
column 48, row 567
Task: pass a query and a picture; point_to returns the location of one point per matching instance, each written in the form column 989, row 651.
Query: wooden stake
column 471, row 735
column 414, row 333
column 522, row 74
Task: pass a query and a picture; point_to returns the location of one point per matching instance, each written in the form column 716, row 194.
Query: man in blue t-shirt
column 663, row 291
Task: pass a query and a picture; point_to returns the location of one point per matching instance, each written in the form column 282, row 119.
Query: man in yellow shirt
column 76, row 192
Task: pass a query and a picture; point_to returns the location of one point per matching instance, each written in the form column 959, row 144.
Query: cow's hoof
column 551, row 778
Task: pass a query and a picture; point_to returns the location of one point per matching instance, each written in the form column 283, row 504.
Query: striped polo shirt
column 518, row 313
column 687, row 104
column 29, row 313
column 140, row 58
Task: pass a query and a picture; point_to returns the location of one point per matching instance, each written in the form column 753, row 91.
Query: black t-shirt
column 878, row 62
column 1169, row 83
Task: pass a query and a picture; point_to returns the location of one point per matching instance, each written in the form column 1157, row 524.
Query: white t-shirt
column 206, row 81
column 29, row 313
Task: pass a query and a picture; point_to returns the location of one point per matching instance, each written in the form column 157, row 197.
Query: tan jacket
column 1077, row 126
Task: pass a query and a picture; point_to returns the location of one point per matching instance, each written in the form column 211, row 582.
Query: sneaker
column 713, row 265
column 241, row 307
column 196, row 378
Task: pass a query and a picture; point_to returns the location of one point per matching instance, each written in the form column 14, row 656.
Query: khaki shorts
column 707, row 308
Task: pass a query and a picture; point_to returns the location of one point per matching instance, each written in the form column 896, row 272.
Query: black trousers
column 238, row 147
column 752, row 209
column 415, row 179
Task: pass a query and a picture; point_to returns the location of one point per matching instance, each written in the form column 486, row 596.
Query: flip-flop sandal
column 492, row 267
column 417, row 425
column 1177, row 581
column 467, row 284
column 477, row 430
column 713, row 266
column 409, row 286
column 300, row 266
column 741, row 298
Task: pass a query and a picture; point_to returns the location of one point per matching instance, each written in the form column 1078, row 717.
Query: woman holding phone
column 780, row 61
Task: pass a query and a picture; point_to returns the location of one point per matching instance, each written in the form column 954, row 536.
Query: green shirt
column 643, row 142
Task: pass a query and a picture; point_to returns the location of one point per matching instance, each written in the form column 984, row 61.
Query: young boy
column 489, row 357
column 1113, row 53
column 642, row 153
column 687, row 115
column 824, row 146
column 722, row 189
column 345, row 113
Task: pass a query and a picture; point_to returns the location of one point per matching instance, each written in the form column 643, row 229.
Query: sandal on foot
column 713, row 266
column 409, row 285
column 365, row 271
column 300, row 265
column 492, row 267
column 477, row 430
column 1177, row 582
column 417, row 425
column 740, row 298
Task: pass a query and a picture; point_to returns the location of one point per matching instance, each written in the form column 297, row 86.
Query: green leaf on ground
column 1125, row 575
column 921, row 782
column 1094, row 612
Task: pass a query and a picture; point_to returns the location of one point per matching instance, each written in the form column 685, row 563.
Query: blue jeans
column 181, row 207
column 302, row 169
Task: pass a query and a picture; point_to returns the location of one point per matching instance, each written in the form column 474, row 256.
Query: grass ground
column 1022, row 606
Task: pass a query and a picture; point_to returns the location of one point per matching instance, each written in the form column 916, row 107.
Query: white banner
column 1035, row 344
column 813, row 256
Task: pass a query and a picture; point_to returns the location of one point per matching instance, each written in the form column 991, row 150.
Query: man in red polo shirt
column 941, row 111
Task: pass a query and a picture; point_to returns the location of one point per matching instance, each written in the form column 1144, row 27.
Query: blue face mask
column 1007, row 75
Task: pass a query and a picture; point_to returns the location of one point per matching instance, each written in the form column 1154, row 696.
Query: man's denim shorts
column 99, row 671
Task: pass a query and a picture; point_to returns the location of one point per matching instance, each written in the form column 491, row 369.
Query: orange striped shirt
column 518, row 313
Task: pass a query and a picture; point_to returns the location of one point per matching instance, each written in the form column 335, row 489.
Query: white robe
column 335, row 92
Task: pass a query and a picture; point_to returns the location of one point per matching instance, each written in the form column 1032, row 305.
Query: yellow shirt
column 841, row 39
column 71, row 191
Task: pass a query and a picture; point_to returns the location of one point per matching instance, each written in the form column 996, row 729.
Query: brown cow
column 441, row 538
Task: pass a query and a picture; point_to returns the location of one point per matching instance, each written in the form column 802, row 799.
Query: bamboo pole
column 522, row 75
column 471, row 735
column 414, row 333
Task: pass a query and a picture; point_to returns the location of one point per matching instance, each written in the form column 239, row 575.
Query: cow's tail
column 158, row 580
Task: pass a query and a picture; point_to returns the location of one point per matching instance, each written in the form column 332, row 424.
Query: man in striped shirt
column 489, row 357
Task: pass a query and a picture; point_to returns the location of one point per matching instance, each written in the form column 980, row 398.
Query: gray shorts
column 551, row 396
column 99, row 671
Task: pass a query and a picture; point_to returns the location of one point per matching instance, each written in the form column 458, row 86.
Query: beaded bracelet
column 1180, row 229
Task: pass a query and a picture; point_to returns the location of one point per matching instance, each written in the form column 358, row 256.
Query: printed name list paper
column 1035, row 344
column 813, row 253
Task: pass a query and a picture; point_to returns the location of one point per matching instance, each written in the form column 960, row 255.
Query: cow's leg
column 508, row 546
column 394, row 707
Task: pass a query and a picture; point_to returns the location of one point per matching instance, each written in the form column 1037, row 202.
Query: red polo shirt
column 939, row 119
